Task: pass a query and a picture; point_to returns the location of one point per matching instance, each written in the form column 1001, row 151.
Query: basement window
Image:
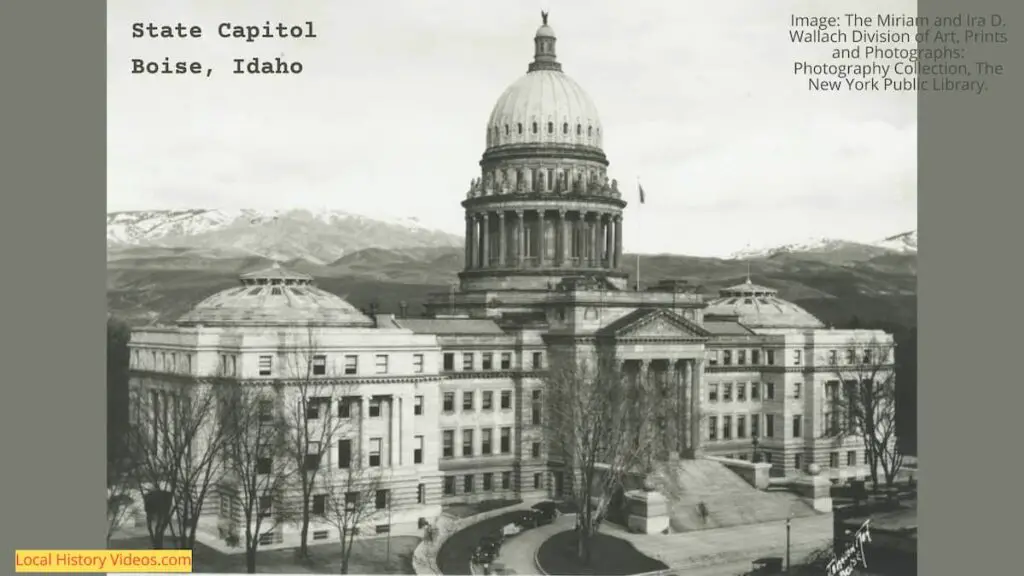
column 255, row 291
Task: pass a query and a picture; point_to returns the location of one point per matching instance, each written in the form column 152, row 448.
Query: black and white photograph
column 510, row 288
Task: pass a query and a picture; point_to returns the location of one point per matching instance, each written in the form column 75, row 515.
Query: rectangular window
column 726, row 427
column 417, row 363
column 375, row 447
column 537, row 481
column 319, row 365
column 798, row 357
column 851, row 356
column 449, row 402
column 317, row 405
column 769, row 391
column 741, row 391
column 449, row 485
column 506, row 399
column 321, row 535
column 448, row 443
column 535, row 412
column 374, row 407
column 264, row 465
column 796, row 427
column 352, row 499
column 266, row 504
column 755, row 425
column 449, row 361
column 535, row 450
column 538, row 361
column 506, row 440
column 767, row 457
column 713, row 358
column 270, row 538
column 381, row 363
column 467, row 401
column 741, row 357
column 769, row 425
column 266, row 410
column 319, row 504
column 755, row 357
column 851, row 458
column 741, row 426
column 344, row 407
column 417, row 450
column 312, row 460
column 713, row 392
column 727, row 392
column 265, row 365
column 344, row 453
column 506, row 480
column 712, row 427
column 467, row 362
column 506, row 360
column 487, row 361
column 796, row 390
column 467, row 484
column 868, row 356
column 488, row 401
column 833, row 460
column 727, row 357
column 382, row 528
column 488, row 481
column 467, row 442
column 770, row 357
column 351, row 365
column 755, row 391
column 417, row 406
column 382, row 499
column 421, row 494
column 833, row 357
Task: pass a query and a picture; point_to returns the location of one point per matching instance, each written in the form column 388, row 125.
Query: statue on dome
column 605, row 186
column 544, row 17
column 615, row 188
column 488, row 185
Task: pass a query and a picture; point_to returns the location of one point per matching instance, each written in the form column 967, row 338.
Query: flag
column 640, row 189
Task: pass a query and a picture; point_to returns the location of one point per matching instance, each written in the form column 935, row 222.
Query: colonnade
column 541, row 238
column 681, row 380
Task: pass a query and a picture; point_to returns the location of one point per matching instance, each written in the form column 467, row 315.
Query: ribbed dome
column 544, row 106
column 760, row 307
column 275, row 297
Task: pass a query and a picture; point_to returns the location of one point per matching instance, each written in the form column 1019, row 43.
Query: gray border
column 53, row 119
column 970, row 206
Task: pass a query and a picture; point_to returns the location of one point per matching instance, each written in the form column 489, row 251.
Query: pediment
column 659, row 324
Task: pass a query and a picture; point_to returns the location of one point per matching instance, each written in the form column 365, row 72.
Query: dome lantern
column 544, row 57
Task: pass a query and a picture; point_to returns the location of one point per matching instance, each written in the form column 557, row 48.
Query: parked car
column 545, row 512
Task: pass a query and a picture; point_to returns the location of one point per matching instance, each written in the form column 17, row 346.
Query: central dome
column 545, row 106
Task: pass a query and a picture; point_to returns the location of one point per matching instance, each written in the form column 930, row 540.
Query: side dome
column 760, row 307
column 545, row 106
column 275, row 297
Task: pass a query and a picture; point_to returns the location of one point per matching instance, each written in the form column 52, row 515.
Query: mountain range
column 160, row 262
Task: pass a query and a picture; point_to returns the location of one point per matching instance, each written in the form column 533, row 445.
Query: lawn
column 610, row 555
column 369, row 556
column 466, row 510
column 454, row 555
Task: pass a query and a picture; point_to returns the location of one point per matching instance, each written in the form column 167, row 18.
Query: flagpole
column 641, row 198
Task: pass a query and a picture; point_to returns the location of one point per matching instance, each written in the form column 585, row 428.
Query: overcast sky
column 389, row 116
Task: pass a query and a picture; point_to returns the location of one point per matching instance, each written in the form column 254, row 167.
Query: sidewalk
column 517, row 554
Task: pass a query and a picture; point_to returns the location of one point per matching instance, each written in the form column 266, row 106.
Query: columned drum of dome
column 543, row 207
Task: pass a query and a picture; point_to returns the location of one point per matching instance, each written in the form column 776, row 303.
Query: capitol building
column 451, row 403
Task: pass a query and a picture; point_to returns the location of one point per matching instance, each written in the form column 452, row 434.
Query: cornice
column 542, row 151
column 554, row 271
column 272, row 380
column 550, row 201
column 788, row 369
column 492, row 374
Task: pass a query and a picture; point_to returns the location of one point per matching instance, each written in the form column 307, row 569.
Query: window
column 868, row 357
column 798, row 461
column 796, row 389
column 352, row 500
column 351, row 365
column 727, row 392
column 712, row 427
column 833, row 357
column 417, row 406
column 534, row 127
column 381, row 362
column 506, row 440
column 769, row 390
column 312, row 460
column 565, row 128
column 319, row 504
column 713, row 392
column 488, row 481
column 487, row 361
column 741, row 426
column 467, row 484
column 851, row 458
column 755, row 421
column 270, row 538
column 264, row 465
column 551, row 127
column 345, row 407
column 266, row 504
column 506, row 480
column 467, row 362
column 417, row 363
column 421, row 493
column 769, row 425
column 506, row 399
column 535, row 450
column 727, row 357
column 506, row 361
column 417, row 450
column 467, row 442
column 538, row 361
column 384, row 528
column 519, row 128
column 755, row 357
column 488, row 401
column 344, row 453
column 266, row 410
column 449, row 361
column 486, row 441
column 851, row 356
column 741, row 357
column 713, row 358
column 265, row 365
column 796, row 426
column 535, row 409
column 321, row 535
column 314, row 407
column 467, row 401
column 537, row 481
column 448, row 443
column 770, row 357
column 726, row 427
column 833, row 460
column 374, row 407
column 449, row 402
column 798, row 357
column 755, row 391
column 319, row 365
column 449, row 485
column 381, row 499
column 375, row 444
column 741, row 391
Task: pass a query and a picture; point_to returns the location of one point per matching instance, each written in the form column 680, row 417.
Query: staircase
column 729, row 499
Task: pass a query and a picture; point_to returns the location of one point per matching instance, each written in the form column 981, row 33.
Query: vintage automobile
column 768, row 565
column 545, row 512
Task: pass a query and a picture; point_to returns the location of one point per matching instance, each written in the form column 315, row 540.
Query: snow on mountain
column 905, row 242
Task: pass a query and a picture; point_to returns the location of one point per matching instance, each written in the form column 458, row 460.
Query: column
column 685, row 409
column 593, row 239
column 502, row 240
column 364, row 413
column 618, row 240
column 469, row 241
column 560, row 238
column 394, row 437
column 612, row 234
column 487, row 240
column 542, row 239
column 642, row 376
column 521, row 238
column 528, row 176
column 602, row 239
column 696, row 398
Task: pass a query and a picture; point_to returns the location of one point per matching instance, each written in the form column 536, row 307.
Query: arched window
column 506, row 129
column 520, row 126
column 551, row 127
column 579, row 129
column 534, row 127
column 565, row 128
column 590, row 130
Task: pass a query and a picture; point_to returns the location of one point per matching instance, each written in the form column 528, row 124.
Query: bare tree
column 119, row 499
column 255, row 460
column 353, row 501
column 310, row 423
column 602, row 425
column 861, row 403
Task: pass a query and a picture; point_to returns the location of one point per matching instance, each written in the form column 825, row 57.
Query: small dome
column 544, row 31
column 274, row 297
column 760, row 307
